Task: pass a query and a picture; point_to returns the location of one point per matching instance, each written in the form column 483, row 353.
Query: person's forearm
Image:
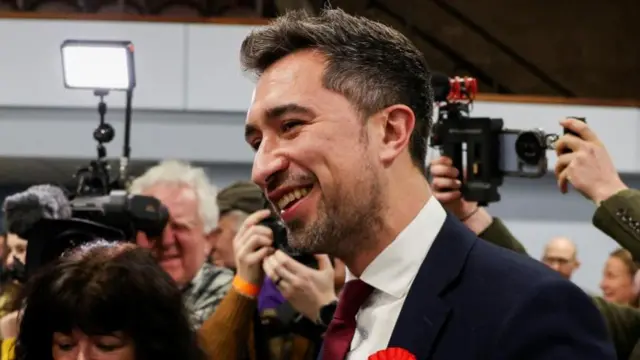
column 479, row 221
column 494, row 231
column 227, row 330
column 618, row 216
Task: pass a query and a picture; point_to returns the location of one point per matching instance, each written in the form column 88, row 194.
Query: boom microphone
column 24, row 209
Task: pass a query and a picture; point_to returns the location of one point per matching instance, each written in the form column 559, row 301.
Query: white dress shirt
column 391, row 274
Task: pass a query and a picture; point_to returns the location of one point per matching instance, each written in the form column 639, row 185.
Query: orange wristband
column 244, row 287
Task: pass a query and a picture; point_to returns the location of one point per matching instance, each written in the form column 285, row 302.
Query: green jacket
column 618, row 217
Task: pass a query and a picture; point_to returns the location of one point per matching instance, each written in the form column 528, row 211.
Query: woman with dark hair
column 107, row 301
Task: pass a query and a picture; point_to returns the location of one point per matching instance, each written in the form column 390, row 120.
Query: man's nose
column 168, row 238
column 9, row 260
column 83, row 351
column 265, row 165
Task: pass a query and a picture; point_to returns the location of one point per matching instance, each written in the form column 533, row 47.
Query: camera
column 481, row 148
column 100, row 206
column 530, row 147
column 281, row 239
column 128, row 213
column 523, row 152
column 117, row 216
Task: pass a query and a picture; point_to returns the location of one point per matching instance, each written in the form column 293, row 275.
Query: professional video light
column 102, row 66
column 98, row 65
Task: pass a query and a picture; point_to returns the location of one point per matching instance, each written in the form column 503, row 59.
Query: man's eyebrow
column 281, row 110
column 277, row 112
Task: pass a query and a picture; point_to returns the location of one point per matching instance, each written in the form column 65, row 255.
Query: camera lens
column 529, row 147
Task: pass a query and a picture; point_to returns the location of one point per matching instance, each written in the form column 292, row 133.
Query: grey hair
column 179, row 172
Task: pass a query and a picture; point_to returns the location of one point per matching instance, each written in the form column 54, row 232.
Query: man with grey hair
column 183, row 247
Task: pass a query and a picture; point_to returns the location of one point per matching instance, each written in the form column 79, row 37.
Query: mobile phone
column 567, row 131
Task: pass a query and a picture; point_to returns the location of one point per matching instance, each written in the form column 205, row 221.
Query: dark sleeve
column 498, row 234
column 619, row 217
column 623, row 323
column 556, row 320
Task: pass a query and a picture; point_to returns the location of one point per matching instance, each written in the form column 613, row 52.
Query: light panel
column 98, row 65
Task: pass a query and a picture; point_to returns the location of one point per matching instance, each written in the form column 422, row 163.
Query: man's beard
column 348, row 220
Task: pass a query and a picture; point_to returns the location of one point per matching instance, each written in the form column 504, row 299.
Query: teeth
column 292, row 196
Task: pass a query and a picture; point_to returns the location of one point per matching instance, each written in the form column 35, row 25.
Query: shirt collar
column 394, row 269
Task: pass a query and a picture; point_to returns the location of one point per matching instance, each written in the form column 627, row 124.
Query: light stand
column 126, row 147
column 102, row 66
column 95, row 179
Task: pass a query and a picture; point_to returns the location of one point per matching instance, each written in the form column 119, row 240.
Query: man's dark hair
column 371, row 64
column 104, row 287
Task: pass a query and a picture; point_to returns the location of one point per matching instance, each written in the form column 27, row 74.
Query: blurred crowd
column 214, row 285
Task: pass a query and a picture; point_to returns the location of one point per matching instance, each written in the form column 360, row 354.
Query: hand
column 9, row 325
column 588, row 167
column 306, row 289
column 446, row 188
column 251, row 245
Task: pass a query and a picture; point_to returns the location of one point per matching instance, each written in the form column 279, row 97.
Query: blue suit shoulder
column 479, row 301
column 534, row 313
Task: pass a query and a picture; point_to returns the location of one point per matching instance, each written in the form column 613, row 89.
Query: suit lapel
column 424, row 311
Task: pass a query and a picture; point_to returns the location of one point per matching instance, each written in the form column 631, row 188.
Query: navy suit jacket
column 472, row 300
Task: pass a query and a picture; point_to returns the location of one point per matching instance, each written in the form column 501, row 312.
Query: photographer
column 602, row 185
column 183, row 247
column 258, row 311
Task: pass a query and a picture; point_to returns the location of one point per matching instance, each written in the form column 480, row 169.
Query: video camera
column 101, row 208
column 481, row 149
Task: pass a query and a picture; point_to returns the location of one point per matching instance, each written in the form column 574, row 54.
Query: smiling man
column 339, row 123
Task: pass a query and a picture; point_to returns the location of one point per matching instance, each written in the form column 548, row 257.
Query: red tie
column 337, row 339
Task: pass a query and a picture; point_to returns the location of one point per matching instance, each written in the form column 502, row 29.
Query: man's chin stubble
column 328, row 239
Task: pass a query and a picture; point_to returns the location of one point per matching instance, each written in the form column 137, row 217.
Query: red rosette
column 394, row 353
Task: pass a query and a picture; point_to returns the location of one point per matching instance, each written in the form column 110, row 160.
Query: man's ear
column 209, row 241
column 397, row 123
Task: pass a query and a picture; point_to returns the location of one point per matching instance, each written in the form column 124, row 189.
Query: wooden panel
column 531, row 99
column 31, row 68
column 131, row 17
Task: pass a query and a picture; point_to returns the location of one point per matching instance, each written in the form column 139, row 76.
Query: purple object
column 269, row 297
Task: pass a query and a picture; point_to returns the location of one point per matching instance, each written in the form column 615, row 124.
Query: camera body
column 481, row 148
column 281, row 241
column 114, row 217
column 128, row 213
